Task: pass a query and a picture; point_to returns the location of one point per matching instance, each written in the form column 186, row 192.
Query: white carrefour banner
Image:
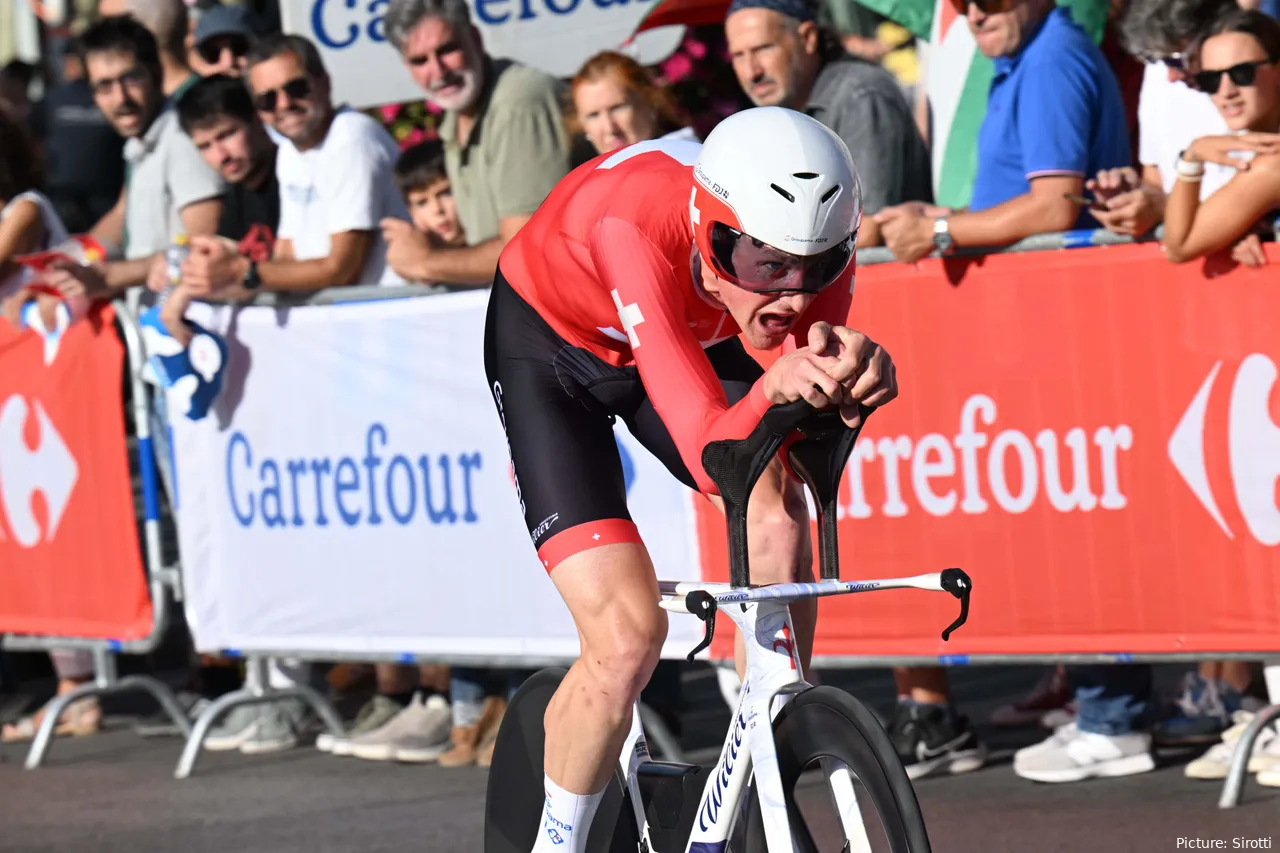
column 557, row 36
column 351, row 491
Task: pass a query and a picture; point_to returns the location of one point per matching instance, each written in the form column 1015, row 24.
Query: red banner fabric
column 1091, row 434
column 70, row 563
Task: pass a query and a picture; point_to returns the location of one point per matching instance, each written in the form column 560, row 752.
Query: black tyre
column 514, row 798
column 828, row 723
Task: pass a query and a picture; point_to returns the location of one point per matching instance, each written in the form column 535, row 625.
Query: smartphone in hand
column 1091, row 203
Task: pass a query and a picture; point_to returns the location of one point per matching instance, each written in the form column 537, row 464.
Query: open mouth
column 776, row 324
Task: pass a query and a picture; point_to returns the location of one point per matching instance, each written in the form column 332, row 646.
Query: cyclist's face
column 765, row 318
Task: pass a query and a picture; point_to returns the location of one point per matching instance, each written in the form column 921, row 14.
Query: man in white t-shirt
column 1171, row 115
column 335, row 169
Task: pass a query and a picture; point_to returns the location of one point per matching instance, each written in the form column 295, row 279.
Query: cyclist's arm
column 676, row 373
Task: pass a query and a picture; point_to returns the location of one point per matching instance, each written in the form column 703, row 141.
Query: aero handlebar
column 818, row 456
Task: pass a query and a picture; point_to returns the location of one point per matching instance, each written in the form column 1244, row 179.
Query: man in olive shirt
column 505, row 143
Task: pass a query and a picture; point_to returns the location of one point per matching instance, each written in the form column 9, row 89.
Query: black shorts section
column 558, row 404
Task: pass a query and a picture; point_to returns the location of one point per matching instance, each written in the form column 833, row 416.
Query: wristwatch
column 252, row 281
column 942, row 240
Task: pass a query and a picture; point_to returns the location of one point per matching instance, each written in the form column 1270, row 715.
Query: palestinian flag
column 957, row 79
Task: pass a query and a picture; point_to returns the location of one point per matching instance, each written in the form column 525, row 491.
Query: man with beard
column 782, row 58
column 336, row 173
column 504, row 138
column 169, row 190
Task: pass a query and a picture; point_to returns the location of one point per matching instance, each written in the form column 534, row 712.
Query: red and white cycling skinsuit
column 617, row 326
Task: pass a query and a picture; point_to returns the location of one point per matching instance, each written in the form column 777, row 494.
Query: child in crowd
column 422, row 180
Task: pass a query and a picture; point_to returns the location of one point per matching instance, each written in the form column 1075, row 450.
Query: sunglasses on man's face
column 1243, row 74
column 211, row 49
column 986, row 7
column 298, row 89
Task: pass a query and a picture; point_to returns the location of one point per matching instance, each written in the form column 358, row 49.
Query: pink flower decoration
column 390, row 111
column 415, row 136
column 695, row 48
column 677, row 67
column 434, row 109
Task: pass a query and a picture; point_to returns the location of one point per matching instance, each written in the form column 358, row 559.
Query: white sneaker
column 432, row 740
column 1215, row 763
column 1070, row 755
column 417, row 718
column 374, row 713
column 236, row 729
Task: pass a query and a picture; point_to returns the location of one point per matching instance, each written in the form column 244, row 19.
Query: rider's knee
column 623, row 658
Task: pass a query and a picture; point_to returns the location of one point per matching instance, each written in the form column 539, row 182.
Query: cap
column 223, row 20
column 800, row 10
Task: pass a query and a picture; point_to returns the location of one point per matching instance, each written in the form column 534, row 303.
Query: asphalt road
column 115, row 792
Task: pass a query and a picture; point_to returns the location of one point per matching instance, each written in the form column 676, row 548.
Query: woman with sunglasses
column 1236, row 65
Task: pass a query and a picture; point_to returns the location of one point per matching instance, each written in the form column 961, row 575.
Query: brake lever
column 956, row 582
column 703, row 605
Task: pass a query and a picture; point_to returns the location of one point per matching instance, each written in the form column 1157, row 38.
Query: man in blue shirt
column 1054, row 117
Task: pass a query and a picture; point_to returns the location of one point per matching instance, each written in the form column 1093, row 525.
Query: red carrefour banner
column 70, row 563
column 1091, row 434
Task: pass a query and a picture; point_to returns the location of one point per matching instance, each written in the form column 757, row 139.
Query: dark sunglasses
column 1242, row 75
column 986, row 7
column 210, row 49
column 298, row 89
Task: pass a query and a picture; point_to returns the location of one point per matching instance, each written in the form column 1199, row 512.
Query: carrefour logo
column 47, row 468
column 1252, row 441
column 369, row 487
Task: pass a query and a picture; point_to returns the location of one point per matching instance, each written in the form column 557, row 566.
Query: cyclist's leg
column 612, row 592
column 569, row 478
column 778, row 541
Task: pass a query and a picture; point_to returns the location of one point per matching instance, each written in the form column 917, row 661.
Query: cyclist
column 624, row 296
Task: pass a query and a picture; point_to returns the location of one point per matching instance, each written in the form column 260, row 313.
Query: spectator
column 83, row 152
column 782, row 58
column 1054, row 116
column 167, row 21
column 222, row 38
column 424, row 183
column 1170, row 114
column 336, row 185
column 1236, row 62
column 169, row 189
column 614, row 102
column 218, row 114
column 505, row 144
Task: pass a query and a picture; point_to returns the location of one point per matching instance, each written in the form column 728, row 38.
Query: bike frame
column 763, row 616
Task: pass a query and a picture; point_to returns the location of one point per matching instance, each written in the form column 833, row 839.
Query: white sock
column 566, row 818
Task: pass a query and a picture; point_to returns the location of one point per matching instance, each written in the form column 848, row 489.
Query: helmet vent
column 829, row 194
column 780, row 191
column 805, row 176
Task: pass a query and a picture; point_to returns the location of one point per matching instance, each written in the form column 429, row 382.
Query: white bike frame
column 763, row 616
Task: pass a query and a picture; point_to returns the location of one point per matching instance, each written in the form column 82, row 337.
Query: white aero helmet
column 776, row 201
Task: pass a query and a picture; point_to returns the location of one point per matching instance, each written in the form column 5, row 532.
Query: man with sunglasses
column 335, row 167
column 627, row 295
column 1055, row 116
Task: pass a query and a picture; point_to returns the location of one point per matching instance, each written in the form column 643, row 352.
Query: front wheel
column 514, row 798
column 826, row 723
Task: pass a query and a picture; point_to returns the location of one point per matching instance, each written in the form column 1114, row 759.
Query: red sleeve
column 676, row 373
